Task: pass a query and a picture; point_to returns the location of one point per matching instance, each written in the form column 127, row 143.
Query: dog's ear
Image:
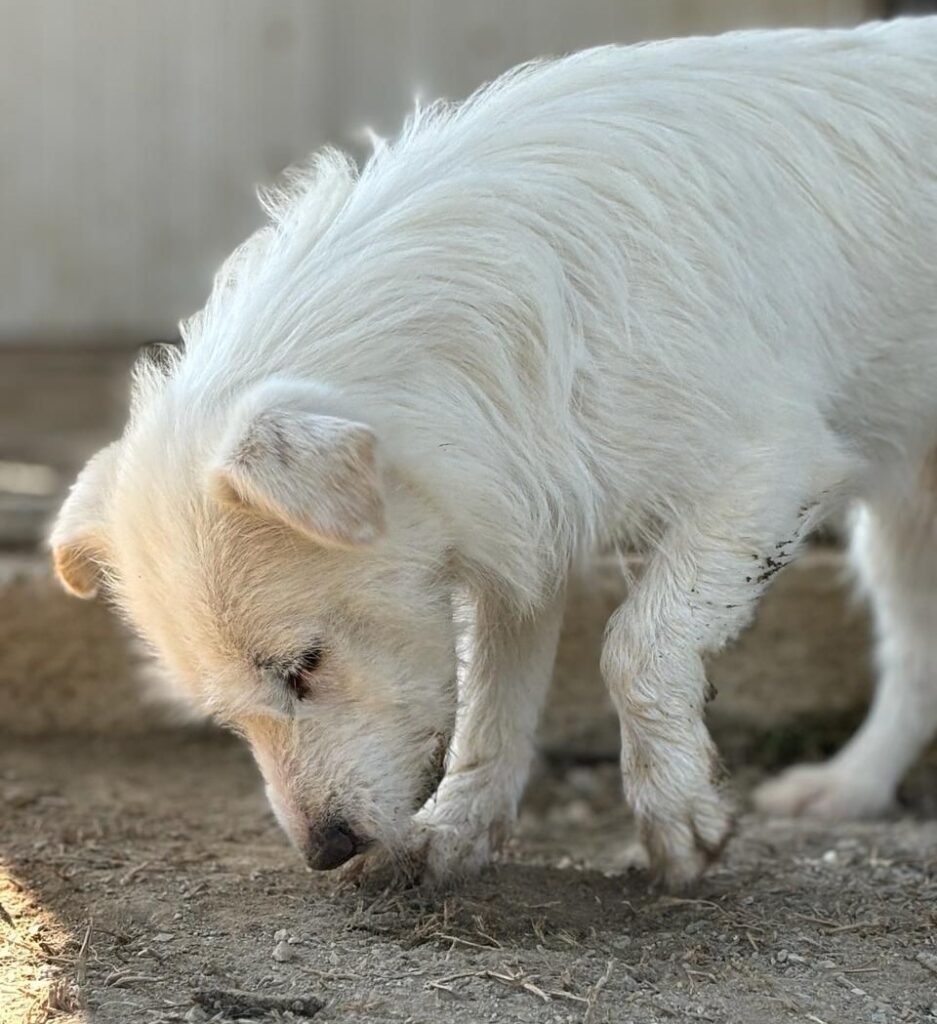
column 78, row 535
column 316, row 472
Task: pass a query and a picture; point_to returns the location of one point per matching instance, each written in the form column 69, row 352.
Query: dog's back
column 741, row 222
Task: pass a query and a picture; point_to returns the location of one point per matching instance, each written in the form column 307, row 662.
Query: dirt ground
column 143, row 880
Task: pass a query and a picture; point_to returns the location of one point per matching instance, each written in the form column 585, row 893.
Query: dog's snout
column 331, row 846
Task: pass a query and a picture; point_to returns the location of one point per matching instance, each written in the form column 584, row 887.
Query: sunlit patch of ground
column 42, row 965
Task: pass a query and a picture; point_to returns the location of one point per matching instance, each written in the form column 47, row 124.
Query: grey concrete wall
column 132, row 131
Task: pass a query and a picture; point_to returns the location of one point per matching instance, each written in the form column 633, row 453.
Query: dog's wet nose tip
column 330, row 847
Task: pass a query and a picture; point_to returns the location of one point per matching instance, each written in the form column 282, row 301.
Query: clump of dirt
column 144, row 881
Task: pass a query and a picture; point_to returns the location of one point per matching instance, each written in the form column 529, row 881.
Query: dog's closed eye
column 298, row 675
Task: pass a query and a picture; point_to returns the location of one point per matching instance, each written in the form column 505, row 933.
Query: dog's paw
column 381, row 868
column 682, row 845
column 453, row 854
column 452, row 851
column 435, row 856
column 822, row 791
column 373, row 869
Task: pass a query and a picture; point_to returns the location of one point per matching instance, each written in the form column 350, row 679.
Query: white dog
column 682, row 294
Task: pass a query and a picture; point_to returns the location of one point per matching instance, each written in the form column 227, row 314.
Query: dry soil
column 143, row 880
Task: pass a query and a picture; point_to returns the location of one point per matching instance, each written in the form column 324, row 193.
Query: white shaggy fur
column 682, row 294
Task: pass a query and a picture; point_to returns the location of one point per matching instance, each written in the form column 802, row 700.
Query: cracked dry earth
column 143, row 881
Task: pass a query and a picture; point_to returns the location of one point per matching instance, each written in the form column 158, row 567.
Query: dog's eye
column 299, row 674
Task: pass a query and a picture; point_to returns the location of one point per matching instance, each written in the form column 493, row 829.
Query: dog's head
column 295, row 584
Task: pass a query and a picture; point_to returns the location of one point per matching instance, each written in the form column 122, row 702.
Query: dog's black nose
column 331, row 846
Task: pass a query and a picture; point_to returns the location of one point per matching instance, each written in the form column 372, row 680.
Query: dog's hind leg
column 508, row 670
column 894, row 546
column 699, row 588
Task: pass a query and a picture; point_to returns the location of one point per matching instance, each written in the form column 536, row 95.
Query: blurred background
column 133, row 134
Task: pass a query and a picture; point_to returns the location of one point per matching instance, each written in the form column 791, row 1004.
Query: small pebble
column 282, row 952
column 279, row 935
column 163, row 937
column 195, row 1015
column 841, row 979
column 830, row 857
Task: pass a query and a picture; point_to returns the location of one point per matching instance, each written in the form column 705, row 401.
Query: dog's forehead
column 212, row 587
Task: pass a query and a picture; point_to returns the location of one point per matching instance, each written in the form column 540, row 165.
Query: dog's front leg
column 509, row 666
column 699, row 589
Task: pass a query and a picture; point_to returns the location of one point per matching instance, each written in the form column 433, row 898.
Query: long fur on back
column 591, row 241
